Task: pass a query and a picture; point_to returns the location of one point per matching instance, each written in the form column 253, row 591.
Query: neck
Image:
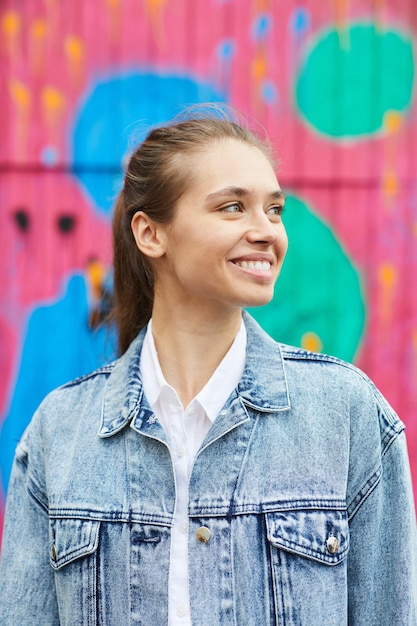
column 190, row 349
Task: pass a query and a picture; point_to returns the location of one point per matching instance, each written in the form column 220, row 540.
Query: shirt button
column 203, row 534
column 332, row 545
column 184, row 528
column 180, row 611
column 180, row 452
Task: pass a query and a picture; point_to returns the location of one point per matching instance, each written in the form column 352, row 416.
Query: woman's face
column 226, row 243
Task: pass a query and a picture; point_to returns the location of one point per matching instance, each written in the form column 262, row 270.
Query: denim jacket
column 302, row 488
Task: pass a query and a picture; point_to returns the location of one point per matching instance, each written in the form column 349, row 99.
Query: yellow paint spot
column 387, row 275
column 20, row 94
column 340, row 9
column 74, row 48
column 38, row 34
column 387, row 278
column 96, row 273
column 390, row 184
column 258, row 67
column 11, row 26
column 53, row 100
column 11, row 23
column 154, row 6
column 39, row 29
column 74, row 51
column 392, row 122
column 260, row 5
column 22, row 99
column 155, row 12
column 53, row 106
column 311, row 341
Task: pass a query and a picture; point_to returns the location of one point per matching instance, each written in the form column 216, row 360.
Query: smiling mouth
column 264, row 266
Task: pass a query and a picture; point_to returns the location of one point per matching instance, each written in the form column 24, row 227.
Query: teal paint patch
column 350, row 79
column 58, row 346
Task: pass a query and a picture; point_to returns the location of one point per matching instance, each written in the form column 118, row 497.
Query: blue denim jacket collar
column 124, row 401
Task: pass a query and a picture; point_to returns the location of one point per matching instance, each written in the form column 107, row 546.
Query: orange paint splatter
column 392, row 123
column 37, row 38
column 22, row 100
column 340, row 10
column 258, row 66
column 11, row 28
column 53, row 106
column 155, row 11
column 388, row 280
column 96, row 273
column 74, row 51
column 311, row 341
column 390, row 186
column 260, row 5
column 258, row 73
column 20, row 94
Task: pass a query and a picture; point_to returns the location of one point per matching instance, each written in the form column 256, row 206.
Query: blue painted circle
column 115, row 115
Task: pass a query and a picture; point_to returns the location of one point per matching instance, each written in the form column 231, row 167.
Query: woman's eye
column 276, row 210
column 232, row 208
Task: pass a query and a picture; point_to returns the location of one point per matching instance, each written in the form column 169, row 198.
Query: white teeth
column 254, row 265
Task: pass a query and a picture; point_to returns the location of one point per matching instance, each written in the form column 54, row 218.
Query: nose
column 262, row 229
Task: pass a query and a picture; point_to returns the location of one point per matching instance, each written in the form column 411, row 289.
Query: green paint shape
column 318, row 291
column 351, row 78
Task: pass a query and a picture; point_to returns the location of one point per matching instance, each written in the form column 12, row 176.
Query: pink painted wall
column 332, row 82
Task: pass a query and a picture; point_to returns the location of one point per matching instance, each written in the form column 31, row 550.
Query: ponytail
column 133, row 280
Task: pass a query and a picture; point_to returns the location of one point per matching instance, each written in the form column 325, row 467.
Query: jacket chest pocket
column 74, row 557
column 308, row 550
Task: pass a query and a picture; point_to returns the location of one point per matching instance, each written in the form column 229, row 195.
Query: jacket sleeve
column 382, row 560
column 27, row 588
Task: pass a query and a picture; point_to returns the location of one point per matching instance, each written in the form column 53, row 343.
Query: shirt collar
column 263, row 385
column 215, row 392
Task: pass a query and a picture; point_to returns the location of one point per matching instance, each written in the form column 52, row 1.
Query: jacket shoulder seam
column 372, row 481
column 293, row 353
column 365, row 491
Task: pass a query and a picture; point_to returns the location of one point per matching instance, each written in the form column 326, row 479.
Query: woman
column 210, row 475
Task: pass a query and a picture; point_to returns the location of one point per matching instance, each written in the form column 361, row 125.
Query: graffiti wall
column 333, row 83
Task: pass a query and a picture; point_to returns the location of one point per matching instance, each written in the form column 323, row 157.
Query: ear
column 150, row 236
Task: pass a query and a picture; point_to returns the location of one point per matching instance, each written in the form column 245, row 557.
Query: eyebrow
column 241, row 192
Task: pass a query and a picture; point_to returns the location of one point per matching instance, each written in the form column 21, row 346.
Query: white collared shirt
column 185, row 430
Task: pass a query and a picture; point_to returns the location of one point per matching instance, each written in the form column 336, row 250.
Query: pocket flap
column 318, row 534
column 72, row 539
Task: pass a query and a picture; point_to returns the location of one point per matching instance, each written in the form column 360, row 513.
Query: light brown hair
column 159, row 172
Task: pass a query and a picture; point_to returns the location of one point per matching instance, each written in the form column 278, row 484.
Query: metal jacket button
column 53, row 553
column 203, row 534
column 332, row 545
